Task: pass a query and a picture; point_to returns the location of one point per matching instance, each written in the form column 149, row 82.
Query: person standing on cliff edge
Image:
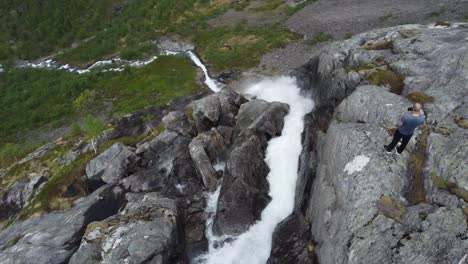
column 408, row 123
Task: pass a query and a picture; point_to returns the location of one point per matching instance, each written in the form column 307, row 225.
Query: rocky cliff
column 354, row 202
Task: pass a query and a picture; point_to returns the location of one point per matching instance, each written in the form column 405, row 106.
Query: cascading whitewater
column 282, row 157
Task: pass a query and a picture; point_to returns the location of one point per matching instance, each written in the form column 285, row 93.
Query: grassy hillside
column 31, row 98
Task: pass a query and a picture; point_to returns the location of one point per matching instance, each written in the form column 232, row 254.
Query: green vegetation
column 443, row 131
column 442, row 24
column 461, row 122
column 438, row 12
column 416, row 192
column 451, row 187
column 387, row 44
column 387, row 78
column 391, row 208
column 32, row 98
column 239, row 47
column 391, row 130
column 420, row 97
column 320, row 37
column 407, row 33
column 93, row 128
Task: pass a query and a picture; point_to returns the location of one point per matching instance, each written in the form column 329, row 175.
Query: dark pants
column 396, row 139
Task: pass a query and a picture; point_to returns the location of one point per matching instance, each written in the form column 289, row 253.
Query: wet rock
column 217, row 109
column 261, row 117
column 244, row 190
column 111, row 165
column 146, row 231
column 54, row 237
column 203, row 164
column 292, row 242
column 166, row 166
column 176, row 121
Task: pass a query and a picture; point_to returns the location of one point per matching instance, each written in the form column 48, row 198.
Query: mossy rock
column 390, row 208
column 461, row 122
column 311, row 248
column 407, row 33
column 443, row 131
column 439, row 182
column 442, row 24
column 387, row 78
column 420, row 97
column 384, row 45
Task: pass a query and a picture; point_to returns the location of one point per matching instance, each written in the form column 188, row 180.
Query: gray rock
column 176, row 121
column 110, row 166
column 342, row 207
column 203, row 164
column 54, row 237
column 292, row 242
column 166, row 166
column 244, row 190
column 261, row 117
column 217, row 109
column 146, row 231
column 168, row 44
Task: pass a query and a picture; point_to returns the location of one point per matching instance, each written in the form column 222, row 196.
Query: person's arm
column 402, row 120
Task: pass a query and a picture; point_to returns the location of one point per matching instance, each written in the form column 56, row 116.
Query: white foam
column 208, row 81
column 282, row 157
column 357, row 164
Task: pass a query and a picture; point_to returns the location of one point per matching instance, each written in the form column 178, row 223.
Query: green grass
column 32, row 98
column 387, row 78
column 387, row 44
column 420, row 97
column 320, row 37
column 37, row 28
column 239, row 47
column 269, row 5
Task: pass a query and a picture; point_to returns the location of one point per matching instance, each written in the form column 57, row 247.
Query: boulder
column 54, row 237
column 166, row 166
column 146, row 231
column 217, row 109
column 203, row 164
column 292, row 242
column 244, row 190
column 111, row 165
column 176, row 121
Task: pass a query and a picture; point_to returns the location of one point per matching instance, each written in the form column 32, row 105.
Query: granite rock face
column 54, row 237
column 353, row 174
column 146, row 231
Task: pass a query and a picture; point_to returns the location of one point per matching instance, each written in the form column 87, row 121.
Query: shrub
column 387, row 78
column 85, row 101
column 93, row 127
column 387, row 44
column 420, row 97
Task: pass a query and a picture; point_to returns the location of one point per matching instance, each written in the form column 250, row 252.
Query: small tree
column 93, row 128
column 85, row 101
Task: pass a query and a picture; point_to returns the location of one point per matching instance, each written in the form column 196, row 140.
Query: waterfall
column 282, row 157
column 208, row 81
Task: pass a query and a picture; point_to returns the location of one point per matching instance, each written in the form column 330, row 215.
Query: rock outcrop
column 244, row 190
column 54, row 237
column 357, row 208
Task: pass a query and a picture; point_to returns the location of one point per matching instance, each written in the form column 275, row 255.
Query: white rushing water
column 208, row 81
column 282, row 157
